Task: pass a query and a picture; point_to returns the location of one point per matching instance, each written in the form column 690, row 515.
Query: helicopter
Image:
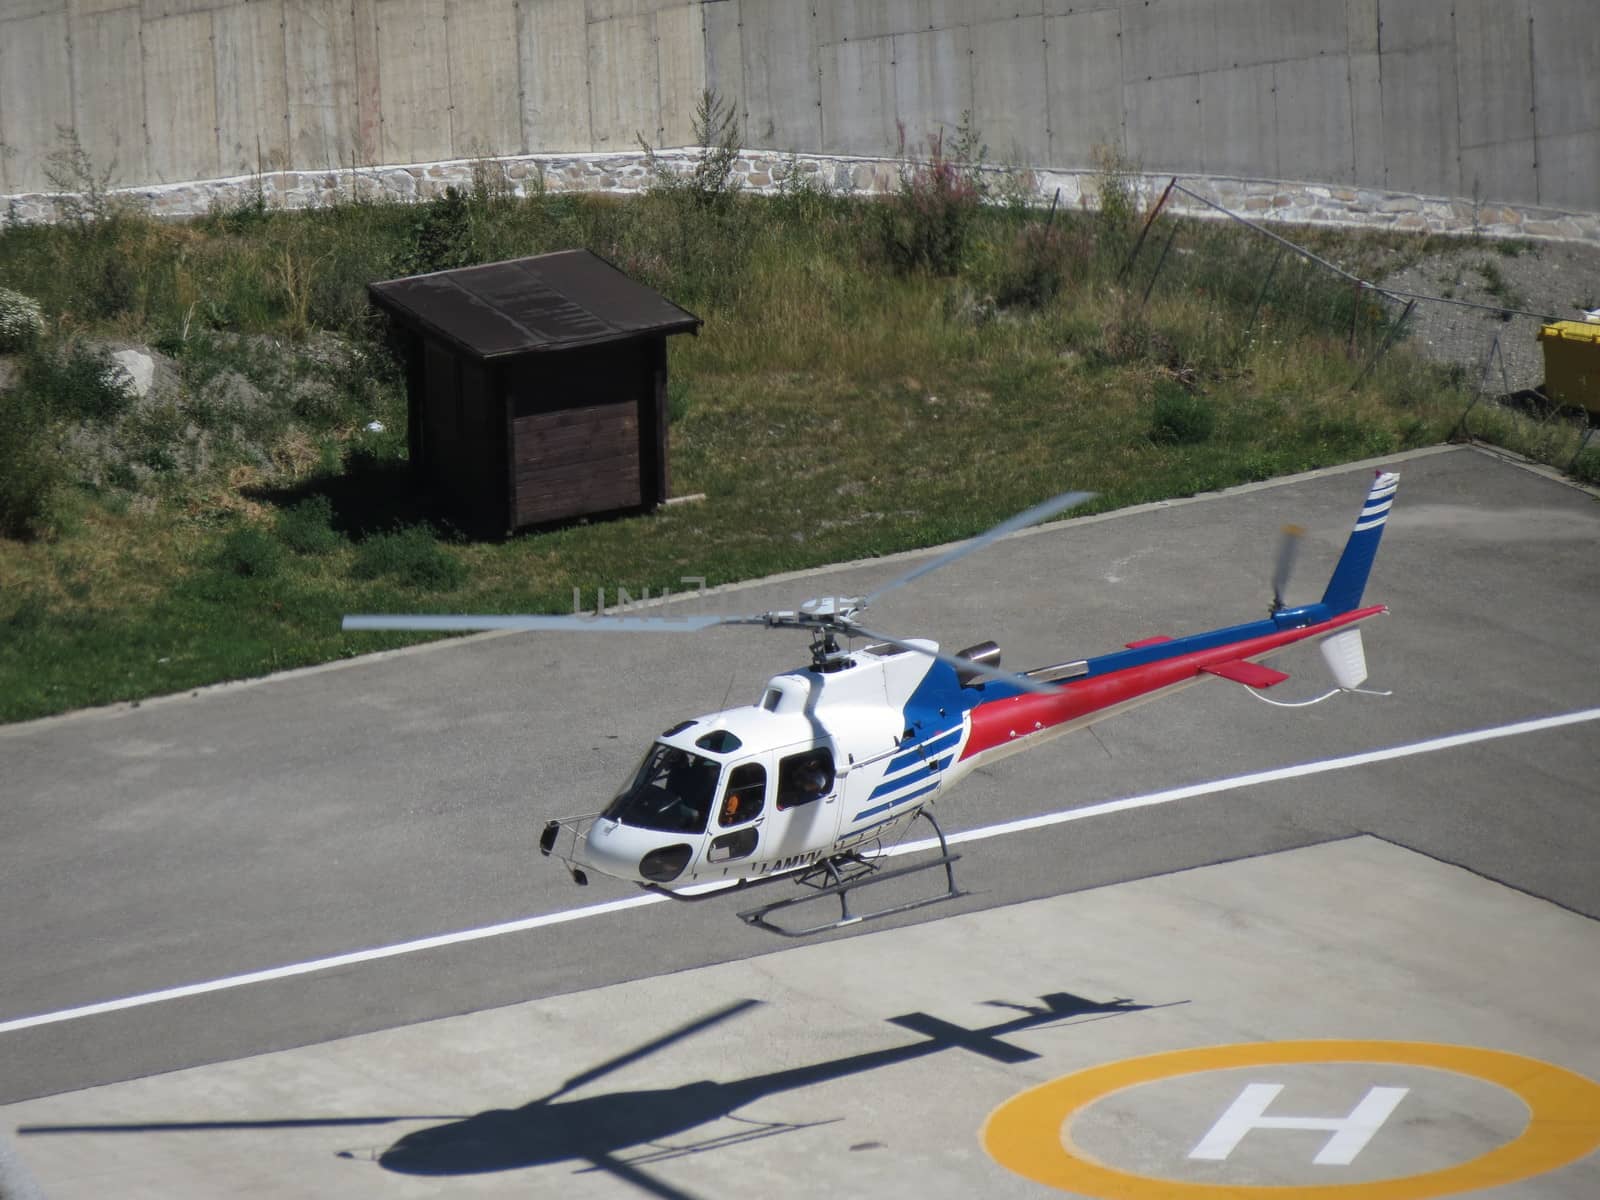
column 819, row 778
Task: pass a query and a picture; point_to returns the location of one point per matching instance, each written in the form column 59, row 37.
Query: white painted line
column 1253, row 780
column 328, row 964
column 970, row 835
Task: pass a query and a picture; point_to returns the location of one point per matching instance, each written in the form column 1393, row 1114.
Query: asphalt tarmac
column 276, row 842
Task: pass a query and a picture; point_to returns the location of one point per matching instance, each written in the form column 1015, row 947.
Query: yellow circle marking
column 1027, row 1133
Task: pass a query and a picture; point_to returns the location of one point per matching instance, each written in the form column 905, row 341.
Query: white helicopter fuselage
column 844, row 732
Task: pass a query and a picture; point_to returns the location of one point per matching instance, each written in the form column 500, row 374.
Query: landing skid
column 845, row 873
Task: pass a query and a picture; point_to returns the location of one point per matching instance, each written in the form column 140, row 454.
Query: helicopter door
column 736, row 829
column 805, row 816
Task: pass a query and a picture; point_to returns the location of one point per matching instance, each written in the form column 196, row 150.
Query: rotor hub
column 828, row 609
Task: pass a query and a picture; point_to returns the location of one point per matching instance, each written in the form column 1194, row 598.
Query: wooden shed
column 537, row 387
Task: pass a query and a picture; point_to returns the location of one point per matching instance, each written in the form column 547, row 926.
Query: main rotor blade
column 1022, row 520
column 468, row 623
column 960, row 664
column 650, row 1047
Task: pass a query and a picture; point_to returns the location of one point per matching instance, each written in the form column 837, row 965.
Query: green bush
column 82, row 383
column 21, row 321
column 59, row 388
column 1182, row 417
column 250, row 553
column 677, row 399
column 1037, row 264
column 1586, row 467
column 31, row 468
column 307, row 527
column 413, row 556
column 441, row 238
column 29, row 612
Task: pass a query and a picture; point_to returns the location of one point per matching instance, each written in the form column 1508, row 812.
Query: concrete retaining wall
column 1496, row 101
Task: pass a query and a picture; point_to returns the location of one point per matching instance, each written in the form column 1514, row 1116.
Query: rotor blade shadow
column 225, row 1126
column 650, row 1047
column 594, row 1132
column 595, row 1129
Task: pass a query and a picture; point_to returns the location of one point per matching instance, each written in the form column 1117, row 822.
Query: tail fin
column 1350, row 576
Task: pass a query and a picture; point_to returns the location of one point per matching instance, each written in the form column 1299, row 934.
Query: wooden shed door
column 576, row 460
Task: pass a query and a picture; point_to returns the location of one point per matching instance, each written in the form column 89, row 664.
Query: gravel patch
column 1557, row 280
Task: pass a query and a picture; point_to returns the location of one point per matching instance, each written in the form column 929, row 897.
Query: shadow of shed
column 537, row 387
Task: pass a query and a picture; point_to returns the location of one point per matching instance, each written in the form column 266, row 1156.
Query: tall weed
column 926, row 224
column 709, row 181
column 1116, row 213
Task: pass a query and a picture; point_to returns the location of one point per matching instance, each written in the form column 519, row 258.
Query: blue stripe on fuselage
column 933, row 767
column 922, row 751
column 1288, row 618
column 1118, row 660
column 896, row 802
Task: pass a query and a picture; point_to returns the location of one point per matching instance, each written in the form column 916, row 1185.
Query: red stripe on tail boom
column 999, row 722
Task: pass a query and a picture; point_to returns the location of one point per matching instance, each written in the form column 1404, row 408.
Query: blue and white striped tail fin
column 1355, row 564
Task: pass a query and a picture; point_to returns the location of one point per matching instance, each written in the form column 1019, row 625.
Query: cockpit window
column 672, row 791
column 747, row 793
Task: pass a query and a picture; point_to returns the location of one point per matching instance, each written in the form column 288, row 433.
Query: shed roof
column 558, row 301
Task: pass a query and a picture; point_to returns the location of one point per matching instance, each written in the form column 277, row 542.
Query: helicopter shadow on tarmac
column 592, row 1132
column 596, row 1129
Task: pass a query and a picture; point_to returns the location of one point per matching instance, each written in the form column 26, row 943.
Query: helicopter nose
column 642, row 855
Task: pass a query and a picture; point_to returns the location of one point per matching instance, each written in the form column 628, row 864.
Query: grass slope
column 845, row 399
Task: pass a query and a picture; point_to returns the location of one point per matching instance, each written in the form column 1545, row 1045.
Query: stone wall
column 765, row 173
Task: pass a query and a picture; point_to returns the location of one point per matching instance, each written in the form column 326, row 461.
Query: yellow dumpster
column 1572, row 363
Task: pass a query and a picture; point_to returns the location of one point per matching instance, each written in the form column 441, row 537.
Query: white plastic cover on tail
column 1346, row 657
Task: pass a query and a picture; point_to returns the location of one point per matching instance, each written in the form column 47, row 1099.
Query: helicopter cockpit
column 672, row 791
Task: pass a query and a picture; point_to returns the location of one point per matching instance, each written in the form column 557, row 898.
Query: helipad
column 1454, row 1134
column 1346, row 1020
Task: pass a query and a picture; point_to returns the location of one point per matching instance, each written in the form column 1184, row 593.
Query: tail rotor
column 1288, row 551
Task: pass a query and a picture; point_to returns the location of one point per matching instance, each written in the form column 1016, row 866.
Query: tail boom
column 1016, row 720
column 1118, row 681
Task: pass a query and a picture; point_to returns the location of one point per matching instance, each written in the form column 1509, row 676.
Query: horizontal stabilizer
column 1248, row 673
column 1149, row 641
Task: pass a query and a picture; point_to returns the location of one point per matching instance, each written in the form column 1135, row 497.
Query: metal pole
column 1338, row 270
column 1148, row 221
column 1355, row 317
column 1394, row 332
column 1483, row 378
column 1160, row 262
column 1262, row 294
